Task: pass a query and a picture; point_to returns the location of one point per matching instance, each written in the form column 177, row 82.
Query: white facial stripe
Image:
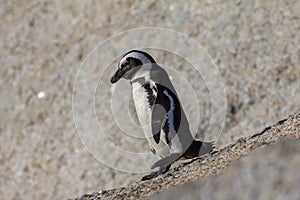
column 137, row 55
column 121, row 62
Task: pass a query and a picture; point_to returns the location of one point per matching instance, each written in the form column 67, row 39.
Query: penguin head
column 132, row 62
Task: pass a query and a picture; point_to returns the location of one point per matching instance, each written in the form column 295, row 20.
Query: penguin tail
column 199, row 148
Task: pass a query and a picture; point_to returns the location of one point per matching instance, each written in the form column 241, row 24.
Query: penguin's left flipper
column 166, row 160
column 158, row 118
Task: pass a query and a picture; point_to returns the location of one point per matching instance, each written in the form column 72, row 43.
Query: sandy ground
column 47, row 58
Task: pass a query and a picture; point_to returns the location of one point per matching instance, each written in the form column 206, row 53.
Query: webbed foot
column 166, row 160
column 155, row 174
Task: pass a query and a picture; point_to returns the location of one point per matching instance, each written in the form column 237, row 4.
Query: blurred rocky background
column 256, row 46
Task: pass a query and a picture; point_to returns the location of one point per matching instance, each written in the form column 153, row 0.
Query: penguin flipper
column 157, row 120
column 166, row 160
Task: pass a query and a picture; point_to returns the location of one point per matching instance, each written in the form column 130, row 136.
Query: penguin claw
column 166, row 161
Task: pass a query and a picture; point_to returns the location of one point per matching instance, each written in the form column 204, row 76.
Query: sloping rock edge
column 286, row 129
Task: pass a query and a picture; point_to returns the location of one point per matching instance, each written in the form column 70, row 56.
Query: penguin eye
column 124, row 64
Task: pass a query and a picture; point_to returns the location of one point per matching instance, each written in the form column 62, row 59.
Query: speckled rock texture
column 214, row 164
column 254, row 44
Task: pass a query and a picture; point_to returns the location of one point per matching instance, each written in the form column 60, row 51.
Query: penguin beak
column 118, row 74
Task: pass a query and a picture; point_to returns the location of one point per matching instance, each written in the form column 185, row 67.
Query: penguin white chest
column 144, row 112
column 141, row 102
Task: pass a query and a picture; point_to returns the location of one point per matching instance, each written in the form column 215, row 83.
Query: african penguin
column 159, row 111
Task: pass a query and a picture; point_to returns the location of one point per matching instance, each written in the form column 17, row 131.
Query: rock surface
column 217, row 163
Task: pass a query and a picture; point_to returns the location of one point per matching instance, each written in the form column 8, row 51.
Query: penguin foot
column 155, row 174
column 198, row 149
column 166, row 160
